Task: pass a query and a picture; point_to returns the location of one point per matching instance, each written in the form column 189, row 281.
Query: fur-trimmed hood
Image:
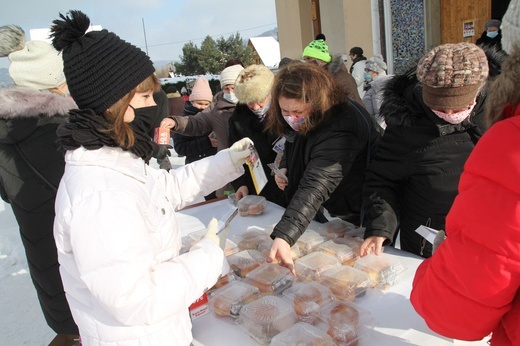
column 336, row 64
column 26, row 102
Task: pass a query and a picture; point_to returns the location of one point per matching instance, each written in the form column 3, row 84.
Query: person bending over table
column 326, row 151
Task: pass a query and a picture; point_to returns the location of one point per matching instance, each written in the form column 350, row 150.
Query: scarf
column 92, row 131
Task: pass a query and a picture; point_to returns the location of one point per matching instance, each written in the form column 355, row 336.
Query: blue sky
column 168, row 24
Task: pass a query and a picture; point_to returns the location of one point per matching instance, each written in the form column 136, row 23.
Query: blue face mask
column 492, row 34
column 367, row 76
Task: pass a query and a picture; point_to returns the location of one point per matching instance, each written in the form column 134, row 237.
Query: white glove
column 219, row 239
column 240, row 150
column 439, row 238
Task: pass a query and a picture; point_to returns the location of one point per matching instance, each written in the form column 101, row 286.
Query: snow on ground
column 21, row 320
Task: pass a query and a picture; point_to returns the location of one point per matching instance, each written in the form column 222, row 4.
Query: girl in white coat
column 117, row 236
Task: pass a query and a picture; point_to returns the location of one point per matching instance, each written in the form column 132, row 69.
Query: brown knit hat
column 451, row 75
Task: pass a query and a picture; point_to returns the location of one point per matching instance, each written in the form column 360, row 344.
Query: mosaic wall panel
column 407, row 32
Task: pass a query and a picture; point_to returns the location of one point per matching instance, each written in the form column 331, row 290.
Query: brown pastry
column 255, row 209
column 344, row 314
column 222, row 306
column 343, row 334
column 307, row 302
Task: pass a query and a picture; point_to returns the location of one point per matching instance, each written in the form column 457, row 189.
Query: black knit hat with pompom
column 100, row 68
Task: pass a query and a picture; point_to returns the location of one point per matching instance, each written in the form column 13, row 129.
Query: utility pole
column 145, row 42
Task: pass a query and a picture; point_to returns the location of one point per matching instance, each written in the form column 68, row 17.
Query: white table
column 396, row 322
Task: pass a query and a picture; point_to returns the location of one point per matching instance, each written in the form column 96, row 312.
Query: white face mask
column 231, row 98
column 260, row 113
column 454, row 118
column 294, row 122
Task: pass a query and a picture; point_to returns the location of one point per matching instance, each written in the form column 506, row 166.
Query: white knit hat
column 201, row 90
column 376, row 64
column 38, row 65
column 229, row 75
column 511, row 27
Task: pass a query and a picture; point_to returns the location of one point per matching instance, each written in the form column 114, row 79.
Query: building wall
column 294, row 26
column 358, row 25
column 455, row 12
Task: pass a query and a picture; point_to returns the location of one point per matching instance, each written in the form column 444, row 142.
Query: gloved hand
column 219, row 239
column 160, row 151
column 240, row 150
column 165, row 164
column 439, row 238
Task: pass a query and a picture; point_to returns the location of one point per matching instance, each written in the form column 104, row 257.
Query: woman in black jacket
column 328, row 145
column 31, row 164
column 433, row 123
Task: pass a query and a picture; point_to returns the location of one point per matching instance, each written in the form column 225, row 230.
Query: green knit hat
column 317, row 49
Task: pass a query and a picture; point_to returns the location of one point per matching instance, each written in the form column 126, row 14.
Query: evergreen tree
column 210, row 57
column 189, row 64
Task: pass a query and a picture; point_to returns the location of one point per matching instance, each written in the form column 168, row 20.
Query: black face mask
column 142, row 125
column 144, row 118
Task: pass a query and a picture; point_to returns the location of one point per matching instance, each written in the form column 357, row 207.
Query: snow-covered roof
column 268, row 49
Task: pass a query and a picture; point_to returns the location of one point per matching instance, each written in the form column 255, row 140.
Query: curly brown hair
column 122, row 133
column 307, row 83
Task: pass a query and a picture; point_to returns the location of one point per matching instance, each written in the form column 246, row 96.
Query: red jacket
column 470, row 287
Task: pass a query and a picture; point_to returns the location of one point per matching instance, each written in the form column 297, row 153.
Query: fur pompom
column 12, row 39
column 68, row 30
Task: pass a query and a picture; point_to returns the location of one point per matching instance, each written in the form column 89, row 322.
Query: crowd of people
column 431, row 146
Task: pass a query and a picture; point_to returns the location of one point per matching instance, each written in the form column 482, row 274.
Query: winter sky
column 168, row 24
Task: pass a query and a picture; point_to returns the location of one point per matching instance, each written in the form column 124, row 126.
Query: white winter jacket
column 358, row 72
column 118, row 245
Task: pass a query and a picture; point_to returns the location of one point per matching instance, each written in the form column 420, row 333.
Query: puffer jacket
column 244, row 123
column 414, row 177
column 471, row 286
column 118, row 245
column 214, row 118
column 327, row 167
column 31, row 166
column 193, row 147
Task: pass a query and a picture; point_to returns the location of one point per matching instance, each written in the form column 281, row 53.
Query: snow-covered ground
column 21, row 320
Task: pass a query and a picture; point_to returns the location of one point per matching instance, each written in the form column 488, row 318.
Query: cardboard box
column 199, row 308
column 161, row 135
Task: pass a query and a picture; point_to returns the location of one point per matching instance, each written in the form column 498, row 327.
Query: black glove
column 165, row 164
column 160, row 151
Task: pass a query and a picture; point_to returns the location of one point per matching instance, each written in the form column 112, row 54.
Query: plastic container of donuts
column 345, row 322
column 346, row 283
column 224, row 280
column 340, row 249
column 311, row 266
column 302, row 334
column 266, row 317
column 229, row 299
column 382, row 269
column 245, row 261
column 309, row 241
column 251, row 205
column 308, row 298
column 250, row 238
column 270, row 278
column 335, row 228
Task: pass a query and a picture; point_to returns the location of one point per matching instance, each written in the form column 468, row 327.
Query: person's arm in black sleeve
column 382, row 186
column 191, row 146
column 322, row 175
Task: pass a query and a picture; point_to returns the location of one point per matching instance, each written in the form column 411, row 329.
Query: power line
column 196, row 39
